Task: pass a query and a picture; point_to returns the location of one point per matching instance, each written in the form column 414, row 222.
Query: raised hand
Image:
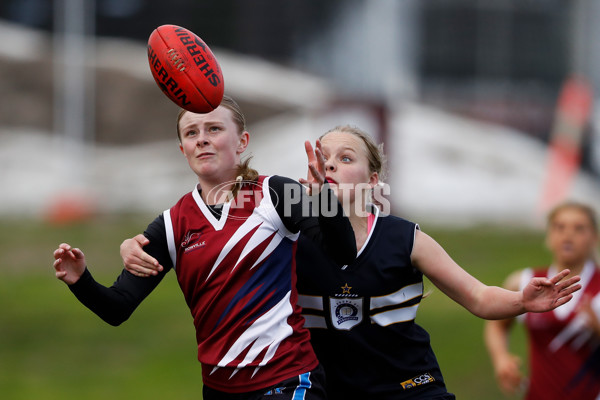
column 136, row 260
column 69, row 263
column 543, row 294
column 316, row 168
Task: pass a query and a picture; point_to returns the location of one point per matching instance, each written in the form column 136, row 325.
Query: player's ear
column 373, row 179
column 181, row 148
column 243, row 143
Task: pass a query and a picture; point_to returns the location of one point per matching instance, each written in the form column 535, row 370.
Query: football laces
column 176, row 59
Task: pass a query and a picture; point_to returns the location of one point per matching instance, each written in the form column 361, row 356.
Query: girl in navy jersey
column 362, row 315
column 231, row 242
column 564, row 344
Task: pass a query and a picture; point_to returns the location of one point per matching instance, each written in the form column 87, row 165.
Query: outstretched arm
column 488, row 302
column 113, row 304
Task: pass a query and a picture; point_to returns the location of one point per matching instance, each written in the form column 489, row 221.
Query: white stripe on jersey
column 252, row 222
column 265, row 211
column 170, row 237
column 314, row 321
column 262, row 334
column 217, row 224
column 314, row 302
column 394, row 316
column 401, row 296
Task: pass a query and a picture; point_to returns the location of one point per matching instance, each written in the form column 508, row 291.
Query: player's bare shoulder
column 513, row 281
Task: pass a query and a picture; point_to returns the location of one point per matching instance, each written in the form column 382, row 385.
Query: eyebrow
column 343, row 148
column 209, row 122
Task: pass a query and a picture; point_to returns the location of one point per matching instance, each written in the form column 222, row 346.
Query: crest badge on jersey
column 346, row 312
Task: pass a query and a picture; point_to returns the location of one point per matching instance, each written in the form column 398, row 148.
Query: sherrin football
column 185, row 69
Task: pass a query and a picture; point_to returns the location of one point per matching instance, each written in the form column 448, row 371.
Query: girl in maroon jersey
column 564, row 344
column 231, row 243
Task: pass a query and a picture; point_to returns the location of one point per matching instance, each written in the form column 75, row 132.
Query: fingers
column 56, row 264
column 65, row 250
column 560, row 276
column 61, row 250
column 142, row 265
column 136, row 260
column 310, row 153
column 58, row 271
column 77, row 253
column 563, row 300
column 317, row 175
column 320, row 157
column 141, row 239
column 570, row 289
column 571, row 281
column 140, row 271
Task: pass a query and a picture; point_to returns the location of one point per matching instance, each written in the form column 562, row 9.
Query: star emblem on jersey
column 346, row 289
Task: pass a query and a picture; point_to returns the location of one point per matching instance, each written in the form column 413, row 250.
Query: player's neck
column 575, row 267
column 360, row 225
column 215, row 192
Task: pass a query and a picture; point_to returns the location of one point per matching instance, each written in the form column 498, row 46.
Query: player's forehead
column 571, row 215
column 218, row 115
column 337, row 141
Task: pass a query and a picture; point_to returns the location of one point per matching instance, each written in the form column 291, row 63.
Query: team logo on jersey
column 346, row 313
column 191, row 241
column 417, row 381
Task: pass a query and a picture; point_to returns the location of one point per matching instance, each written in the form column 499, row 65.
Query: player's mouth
column 331, row 181
column 204, row 155
column 567, row 246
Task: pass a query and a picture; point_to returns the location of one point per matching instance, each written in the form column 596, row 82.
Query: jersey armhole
column 272, row 212
column 417, row 228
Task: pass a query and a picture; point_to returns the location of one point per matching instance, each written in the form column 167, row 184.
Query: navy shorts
column 308, row 386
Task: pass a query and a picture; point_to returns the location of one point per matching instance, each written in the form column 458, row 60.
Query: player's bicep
column 431, row 259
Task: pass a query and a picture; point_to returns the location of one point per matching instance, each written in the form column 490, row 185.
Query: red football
column 185, row 68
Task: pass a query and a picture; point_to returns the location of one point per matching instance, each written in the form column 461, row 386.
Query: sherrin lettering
column 185, row 69
column 167, row 84
column 198, row 50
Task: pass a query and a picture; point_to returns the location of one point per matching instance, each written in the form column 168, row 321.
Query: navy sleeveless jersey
column 362, row 317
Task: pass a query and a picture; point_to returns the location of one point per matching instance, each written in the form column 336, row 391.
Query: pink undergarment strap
column 370, row 221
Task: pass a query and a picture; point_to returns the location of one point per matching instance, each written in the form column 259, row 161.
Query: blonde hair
column 244, row 172
column 574, row 205
column 375, row 154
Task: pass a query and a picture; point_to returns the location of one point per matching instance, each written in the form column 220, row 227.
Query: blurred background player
column 564, row 356
column 362, row 316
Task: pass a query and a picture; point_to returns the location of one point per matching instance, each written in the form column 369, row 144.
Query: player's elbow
column 116, row 317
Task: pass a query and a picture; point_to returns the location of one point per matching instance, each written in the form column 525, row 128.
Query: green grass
column 51, row 347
